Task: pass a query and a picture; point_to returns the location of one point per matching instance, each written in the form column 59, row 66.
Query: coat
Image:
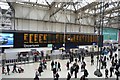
column 40, row 69
column 106, row 71
column 68, row 76
column 54, row 71
column 59, row 65
column 67, row 64
column 8, row 69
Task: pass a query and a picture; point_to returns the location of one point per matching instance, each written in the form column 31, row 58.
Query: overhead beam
column 52, row 4
column 31, row 3
column 108, row 11
column 74, row 7
column 10, row 4
column 89, row 6
column 47, row 2
column 49, row 21
column 63, row 4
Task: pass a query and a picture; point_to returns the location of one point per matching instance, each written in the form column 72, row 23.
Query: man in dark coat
column 76, row 60
column 14, row 68
column 72, row 58
column 57, row 76
column 82, row 58
column 79, row 57
column 59, row 66
column 40, row 70
column 52, row 64
column 36, row 77
column 54, row 72
column 76, row 70
column 105, row 64
column 86, row 73
column 111, row 70
column 68, row 76
column 106, row 73
column 117, row 74
column 71, row 70
column 8, row 69
column 116, row 56
column 92, row 56
column 117, row 66
column 42, row 54
column 68, row 65
column 111, row 54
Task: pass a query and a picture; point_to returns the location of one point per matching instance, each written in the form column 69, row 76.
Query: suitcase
column 98, row 73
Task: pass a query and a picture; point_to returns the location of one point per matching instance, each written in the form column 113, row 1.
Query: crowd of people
column 77, row 63
column 80, row 62
column 6, row 70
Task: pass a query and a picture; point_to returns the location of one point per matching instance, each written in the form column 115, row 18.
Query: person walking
column 68, row 76
column 116, row 56
column 59, row 66
column 57, row 76
column 82, row 58
column 76, row 60
column 76, row 70
column 92, row 56
column 117, row 66
column 3, row 70
column 68, row 65
column 40, row 70
column 86, row 73
column 52, row 64
column 71, row 70
column 92, row 62
column 79, row 56
column 105, row 64
column 72, row 58
column 54, row 71
column 106, row 73
column 56, row 66
column 8, row 69
column 111, row 70
column 36, row 77
column 14, row 68
column 117, row 74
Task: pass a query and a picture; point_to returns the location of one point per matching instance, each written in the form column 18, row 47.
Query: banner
column 110, row 34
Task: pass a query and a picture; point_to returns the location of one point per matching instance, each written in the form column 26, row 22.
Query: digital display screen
column 58, row 38
column 6, row 39
column 43, row 39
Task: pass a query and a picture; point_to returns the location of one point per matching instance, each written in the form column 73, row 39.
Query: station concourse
column 59, row 40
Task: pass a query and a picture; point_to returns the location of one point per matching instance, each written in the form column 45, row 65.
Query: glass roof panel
column 4, row 5
column 44, row 1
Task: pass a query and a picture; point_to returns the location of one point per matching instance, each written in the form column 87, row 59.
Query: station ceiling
column 109, row 9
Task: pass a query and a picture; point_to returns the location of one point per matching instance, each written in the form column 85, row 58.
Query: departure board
column 42, row 39
column 58, row 38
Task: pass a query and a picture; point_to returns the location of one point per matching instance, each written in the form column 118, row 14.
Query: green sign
column 110, row 34
column 49, row 45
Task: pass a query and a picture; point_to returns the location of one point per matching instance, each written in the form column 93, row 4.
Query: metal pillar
column 119, row 45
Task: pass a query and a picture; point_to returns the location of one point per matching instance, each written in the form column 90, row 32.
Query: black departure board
column 43, row 39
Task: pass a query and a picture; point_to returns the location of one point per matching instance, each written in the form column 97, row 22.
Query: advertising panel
column 6, row 39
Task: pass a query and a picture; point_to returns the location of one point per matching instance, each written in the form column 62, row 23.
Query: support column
column 119, row 45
